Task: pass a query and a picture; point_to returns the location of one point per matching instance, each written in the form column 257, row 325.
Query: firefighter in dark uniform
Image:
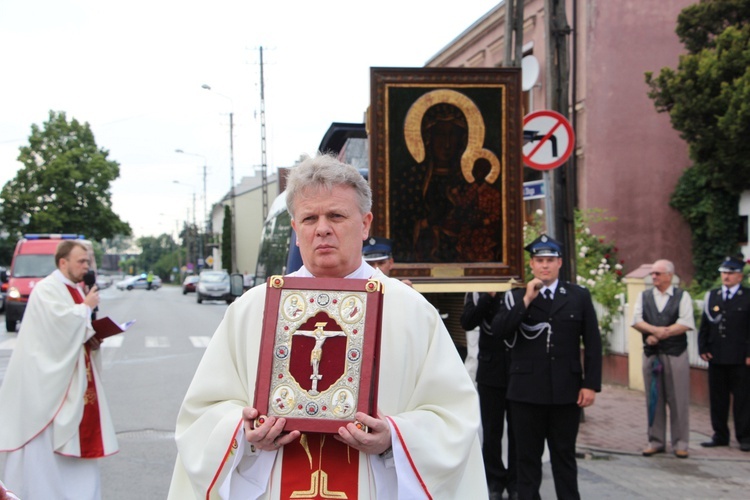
column 724, row 342
column 545, row 324
column 378, row 252
column 492, row 383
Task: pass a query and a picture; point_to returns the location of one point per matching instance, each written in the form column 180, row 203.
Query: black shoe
column 714, row 444
column 745, row 446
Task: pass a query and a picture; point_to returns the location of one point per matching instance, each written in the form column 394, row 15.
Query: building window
column 743, row 233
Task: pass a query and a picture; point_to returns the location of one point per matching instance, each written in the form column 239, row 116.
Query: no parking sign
column 548, row 140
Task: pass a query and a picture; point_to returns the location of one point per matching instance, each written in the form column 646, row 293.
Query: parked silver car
column 138, row 282
column 213, row 285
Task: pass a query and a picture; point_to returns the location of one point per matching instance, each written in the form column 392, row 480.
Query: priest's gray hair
column 325, row 171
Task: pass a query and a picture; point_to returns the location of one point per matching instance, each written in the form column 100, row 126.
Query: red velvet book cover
column 105, row 327
column 319, row 353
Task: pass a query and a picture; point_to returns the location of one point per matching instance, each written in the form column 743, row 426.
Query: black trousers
column 723, row 381
column 558, row 425
column 494, row 407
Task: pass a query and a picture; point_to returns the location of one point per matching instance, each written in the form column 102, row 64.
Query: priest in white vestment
column 423, row 442
column 54, row 417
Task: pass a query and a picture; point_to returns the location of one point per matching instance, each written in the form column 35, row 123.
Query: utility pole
column 263, row 166
column 232, row 203
column 513, row 33
column 202, row 237
column 205, row 205
column 563, row 178
column 232, row 193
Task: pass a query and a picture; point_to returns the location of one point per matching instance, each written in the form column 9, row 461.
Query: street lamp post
column 205, row 207
column 231, row 170
column 195, row 224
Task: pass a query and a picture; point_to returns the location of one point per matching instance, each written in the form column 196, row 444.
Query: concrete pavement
column 617, row 424
column 610, row 464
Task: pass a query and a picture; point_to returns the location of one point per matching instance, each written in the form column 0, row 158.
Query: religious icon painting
column 445, row 165
column 319, row 353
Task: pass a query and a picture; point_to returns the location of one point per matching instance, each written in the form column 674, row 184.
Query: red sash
column 90, row 429
column 318, row 466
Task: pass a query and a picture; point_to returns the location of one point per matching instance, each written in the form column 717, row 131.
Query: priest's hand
column 267, row 436
column 92, row 298
column 374, row 442
column 94, row 343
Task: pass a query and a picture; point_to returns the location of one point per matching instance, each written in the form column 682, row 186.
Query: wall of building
column 632, row 158
column 628, row 156
column 745, row 213
column 250, row 225
column 249, row 220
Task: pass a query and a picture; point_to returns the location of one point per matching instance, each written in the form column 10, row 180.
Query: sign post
column 548, row 140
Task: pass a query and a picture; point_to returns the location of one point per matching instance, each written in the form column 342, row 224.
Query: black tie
column 548, row 294
column 726, row 295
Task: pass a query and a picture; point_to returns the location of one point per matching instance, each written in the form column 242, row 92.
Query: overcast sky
column 134, row 70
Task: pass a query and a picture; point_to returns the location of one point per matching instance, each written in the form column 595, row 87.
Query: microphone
column 538, row 286
column 89, row 279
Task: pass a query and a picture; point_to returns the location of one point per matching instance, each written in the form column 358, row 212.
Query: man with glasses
column 664, row 315
column 724, row 342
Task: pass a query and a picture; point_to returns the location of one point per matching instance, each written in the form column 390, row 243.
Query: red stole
column 90, row 429
column 319, row 466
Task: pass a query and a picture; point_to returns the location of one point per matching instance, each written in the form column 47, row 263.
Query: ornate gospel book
column 319, row 352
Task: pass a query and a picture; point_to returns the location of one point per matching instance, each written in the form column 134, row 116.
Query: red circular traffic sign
column 548, row 140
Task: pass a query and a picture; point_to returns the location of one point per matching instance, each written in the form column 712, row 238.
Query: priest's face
column 330, row 230
column 75, row 265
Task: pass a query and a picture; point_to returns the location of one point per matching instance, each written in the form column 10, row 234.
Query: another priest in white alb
column 54, row 418
column 424, row 441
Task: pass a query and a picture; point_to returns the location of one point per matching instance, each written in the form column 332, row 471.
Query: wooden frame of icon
column 446, row 170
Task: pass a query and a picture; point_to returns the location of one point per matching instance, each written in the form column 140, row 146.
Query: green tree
column 708, row 101
column 6, row 251
column 128, row 266
column 153, row 252
column 226, row 240
column 64, row 184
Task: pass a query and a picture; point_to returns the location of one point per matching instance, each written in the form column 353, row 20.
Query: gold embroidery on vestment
column 318, row 478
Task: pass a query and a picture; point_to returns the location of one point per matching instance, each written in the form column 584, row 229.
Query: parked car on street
column 103, row 282
column 214, row 285
column 135, row 282
column 3, row 288
column 188, row 286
